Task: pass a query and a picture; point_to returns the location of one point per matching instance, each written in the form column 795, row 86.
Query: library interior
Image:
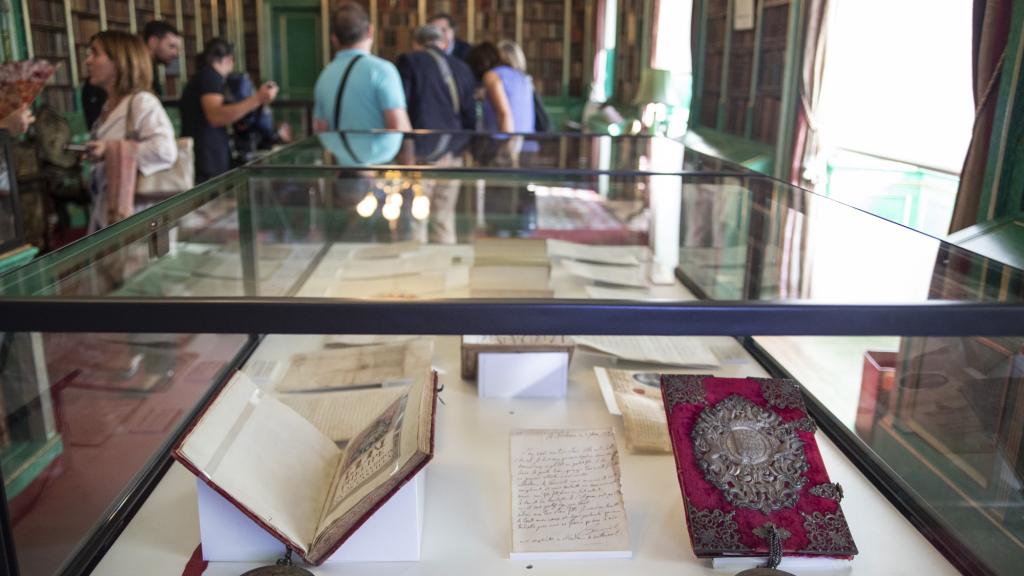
column 493, row 286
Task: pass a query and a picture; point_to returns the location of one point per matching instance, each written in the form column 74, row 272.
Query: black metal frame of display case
column 729, row 168
column 740, row 319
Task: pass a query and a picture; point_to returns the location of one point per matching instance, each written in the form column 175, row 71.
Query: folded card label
column 523, row 374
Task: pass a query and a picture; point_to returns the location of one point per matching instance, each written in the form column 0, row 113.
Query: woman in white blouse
column 119, row 63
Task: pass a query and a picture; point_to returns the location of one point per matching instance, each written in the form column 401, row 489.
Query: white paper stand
column 522, row 374
column 392, row 534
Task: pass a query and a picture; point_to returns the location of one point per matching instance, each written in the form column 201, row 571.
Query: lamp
column 656, row 93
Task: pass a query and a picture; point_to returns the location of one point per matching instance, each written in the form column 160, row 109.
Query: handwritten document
column 671, row 350
column 566, row 495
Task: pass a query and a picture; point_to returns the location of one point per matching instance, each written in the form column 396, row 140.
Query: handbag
column 165, row 183
column 541, row 120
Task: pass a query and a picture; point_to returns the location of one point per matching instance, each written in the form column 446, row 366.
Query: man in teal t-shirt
column 373, row 96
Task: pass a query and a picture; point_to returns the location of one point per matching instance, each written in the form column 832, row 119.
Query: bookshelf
column 251, row 39
column 495, row 20
column 741, row 76
column 578, row 74
column 741, row 68
column 629, row 50
column 543, row 43
column 554, row 34
column 768, row 98
column 49, row 21
column 397, row 20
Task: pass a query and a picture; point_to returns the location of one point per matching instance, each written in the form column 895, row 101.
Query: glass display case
column 908, row 349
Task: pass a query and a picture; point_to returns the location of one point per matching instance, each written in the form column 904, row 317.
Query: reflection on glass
column 361, row 149
column 946, row 414
column 82, row 416
column 527, row 151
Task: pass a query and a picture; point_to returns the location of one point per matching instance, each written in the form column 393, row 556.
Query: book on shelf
column 285, row 474
column 751, row 474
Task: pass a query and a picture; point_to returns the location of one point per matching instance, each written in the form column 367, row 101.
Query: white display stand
column 793, row 564
column 522, row 374
column 392, row 534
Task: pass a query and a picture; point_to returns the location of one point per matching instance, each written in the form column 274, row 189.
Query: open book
column 294, row 481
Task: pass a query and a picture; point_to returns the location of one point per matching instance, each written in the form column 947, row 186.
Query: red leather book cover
column 749, row 468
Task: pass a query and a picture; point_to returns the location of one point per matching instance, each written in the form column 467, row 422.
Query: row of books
column 549, row 10
column 542, row 49
column 48, row 12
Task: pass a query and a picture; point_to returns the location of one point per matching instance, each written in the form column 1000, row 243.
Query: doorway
column 297, row 39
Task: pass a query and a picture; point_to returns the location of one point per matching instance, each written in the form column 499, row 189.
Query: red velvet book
column 301, row 486
column 750, row 469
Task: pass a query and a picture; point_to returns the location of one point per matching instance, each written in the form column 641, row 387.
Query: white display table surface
column 467, row 523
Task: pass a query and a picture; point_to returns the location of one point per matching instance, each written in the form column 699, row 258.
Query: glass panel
column 485, row 151
column 284, row 232
column 84, row 416
column 946, row 415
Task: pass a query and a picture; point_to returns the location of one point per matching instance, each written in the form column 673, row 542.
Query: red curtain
column 991, row 29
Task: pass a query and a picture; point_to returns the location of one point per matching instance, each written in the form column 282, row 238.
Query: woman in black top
column 206, row 114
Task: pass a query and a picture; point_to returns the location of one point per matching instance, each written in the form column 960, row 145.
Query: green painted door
column 297, row 50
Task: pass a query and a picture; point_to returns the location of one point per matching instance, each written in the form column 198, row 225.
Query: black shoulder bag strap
column 341, row 91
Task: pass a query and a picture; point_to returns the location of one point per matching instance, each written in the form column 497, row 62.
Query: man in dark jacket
column 438, row 87
column 452, row 45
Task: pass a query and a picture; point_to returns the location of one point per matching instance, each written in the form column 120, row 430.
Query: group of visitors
column 436, row 86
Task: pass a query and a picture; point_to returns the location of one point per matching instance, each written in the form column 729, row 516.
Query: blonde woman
column 120, row 64
column 508, row 92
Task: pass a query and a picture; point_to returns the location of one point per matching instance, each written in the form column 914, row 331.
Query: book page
column 619, row 275
column 638, row 397
column 379, row 365
column 381, row 456
column 567, row 495
column 265, row 457
column 671, row 350
column 342, row 415
column 603, row 254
